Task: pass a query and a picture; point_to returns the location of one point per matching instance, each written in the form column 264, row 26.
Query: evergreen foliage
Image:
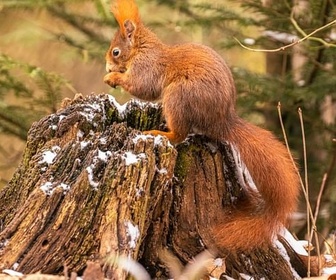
column 19, row 104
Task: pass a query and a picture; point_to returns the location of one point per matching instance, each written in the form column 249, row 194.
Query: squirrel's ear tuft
column 127, row 15
column 129, row 28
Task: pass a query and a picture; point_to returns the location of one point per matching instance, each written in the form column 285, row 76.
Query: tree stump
column 90, row 185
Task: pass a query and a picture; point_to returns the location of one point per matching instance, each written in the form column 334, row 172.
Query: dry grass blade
column 129, row 265
column 192, row 271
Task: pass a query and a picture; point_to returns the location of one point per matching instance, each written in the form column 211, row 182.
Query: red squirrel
column 198, row 94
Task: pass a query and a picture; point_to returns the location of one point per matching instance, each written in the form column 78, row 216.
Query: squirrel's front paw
column 111, row 79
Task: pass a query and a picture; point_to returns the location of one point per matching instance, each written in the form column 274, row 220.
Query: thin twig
column 304, row 34
column 306, row 182
column 293, row 161
column 305, row 166
column 308, row 36
column 314, row 229
column 318, row 202
column 311, row 216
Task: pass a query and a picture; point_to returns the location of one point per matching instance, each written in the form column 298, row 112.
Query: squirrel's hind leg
column 176, row 114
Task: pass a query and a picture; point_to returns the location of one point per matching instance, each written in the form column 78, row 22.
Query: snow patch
column 90, row 112
column 47, row 188
column 283, row 37
column 218, row 262
column 249, row 41
column 243, row 173
column 83, row 144
column 142, row 137
column 158, row 141
column 139, row 192
column 284, row 254
column 94, row 106
column 329, row 258
column 65, row 187
column 4, row 243
column 104, row 156
column 92, row 182
column 61, row 117
column 49, row 156
column 13, row 273
column 15, row 266
column 162, row 171
column 120, row 108
column 212, row 146
column 57, row 119
column 131, row 158
column 297, row 245
column 89, row 117
column 133, row 233
column 329, row 270
column 80, row 135
column 53, row 127
column 103, row 140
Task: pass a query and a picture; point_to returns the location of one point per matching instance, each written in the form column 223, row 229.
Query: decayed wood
column 90, row 185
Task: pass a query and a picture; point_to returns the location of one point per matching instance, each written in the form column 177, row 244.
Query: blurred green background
column 53, row 49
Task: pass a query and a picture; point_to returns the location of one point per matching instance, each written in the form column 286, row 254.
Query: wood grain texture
column 90, row 185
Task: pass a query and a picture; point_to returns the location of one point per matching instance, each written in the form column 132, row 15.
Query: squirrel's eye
column 116, row 52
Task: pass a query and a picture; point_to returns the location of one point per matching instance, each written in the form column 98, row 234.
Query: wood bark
column 91, row 187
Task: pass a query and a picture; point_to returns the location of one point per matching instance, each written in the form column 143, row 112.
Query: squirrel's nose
column 108, row 67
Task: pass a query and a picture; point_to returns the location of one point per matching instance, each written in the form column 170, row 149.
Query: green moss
column 184, row 158
column 112, row 115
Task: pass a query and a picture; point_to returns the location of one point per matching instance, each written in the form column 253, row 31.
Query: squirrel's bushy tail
column 268, row 208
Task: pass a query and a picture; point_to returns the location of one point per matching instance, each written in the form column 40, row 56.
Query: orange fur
column 277, row 182
column 125, row 10
column 198, row 94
